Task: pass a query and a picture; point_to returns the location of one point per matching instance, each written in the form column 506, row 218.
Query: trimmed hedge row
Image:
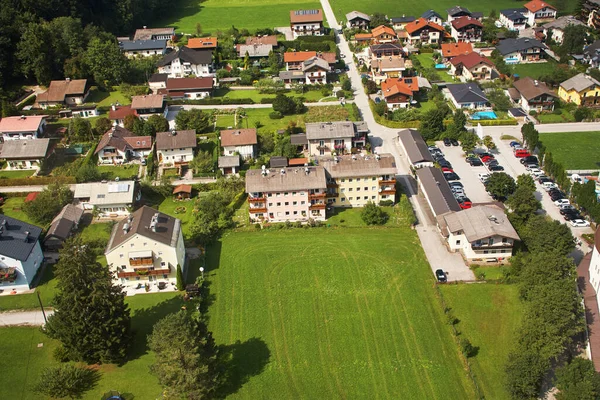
column 495, row 122
column 37, row 180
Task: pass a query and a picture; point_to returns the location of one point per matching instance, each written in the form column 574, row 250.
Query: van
column 520, row 153
column 549, row 186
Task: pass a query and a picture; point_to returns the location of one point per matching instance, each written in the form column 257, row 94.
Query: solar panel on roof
column 118, row 188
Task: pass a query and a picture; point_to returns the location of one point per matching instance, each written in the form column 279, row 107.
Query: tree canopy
column 48, row 203
column 192, row 119
column 501, row 185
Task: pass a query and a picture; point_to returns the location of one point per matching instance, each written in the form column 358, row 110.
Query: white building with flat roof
column 111, row 199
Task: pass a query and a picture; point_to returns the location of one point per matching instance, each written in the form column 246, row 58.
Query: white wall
column 175, row 155
column 244, row 151
column 26, row 270
column 595, row 272
column 177, row 69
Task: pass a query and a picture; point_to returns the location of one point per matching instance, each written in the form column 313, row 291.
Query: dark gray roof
column 181, row 139
column 477, row 15
column 508, row 46
column 195, row 57
column 592, row 50
column 517, row 112
column 415, row 146
column 17, row 238
column 361, row 127
column 137, row 45
column 430, row 14
column 437, row 190
column 158, row 78
column 467, row 93
column 402, row 19
column 457, row 10
column 59, row 229
column 278, row 162
column 299, row 139
column 513, row 14
column 25, row 149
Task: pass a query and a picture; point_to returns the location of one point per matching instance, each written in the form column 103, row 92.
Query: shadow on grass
column 184, row 8
column 240, row 362
column 142, row 323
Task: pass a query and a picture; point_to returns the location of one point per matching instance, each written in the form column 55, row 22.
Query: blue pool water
column 484, row 115
column 440, row 66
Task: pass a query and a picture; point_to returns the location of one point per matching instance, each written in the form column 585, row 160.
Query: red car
column 486, row 158
column 521, row 153
column 446, row 169
column 466, row 204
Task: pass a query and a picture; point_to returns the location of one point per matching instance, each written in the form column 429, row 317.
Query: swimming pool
column 440, row 66
column 484, row 115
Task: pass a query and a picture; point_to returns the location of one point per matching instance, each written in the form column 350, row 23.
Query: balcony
column 257, row 199
column 333, row 194
column 144, row 272
column 258, row 210
column 388, row 192
column 8, row 274
column 332, row 185
column 495, row 246
column 385, row 182
column 318, row 206
column 141, row 258
column 314, row 196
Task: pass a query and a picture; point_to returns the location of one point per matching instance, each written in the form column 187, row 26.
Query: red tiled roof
column 238, row 137
column 183, row 189
column 462, row 22
column 121, row 112
column 391, row 87
column 300, row 16
column 270, row 39
column 420, row 24
column 363, row 36
column 470, row 60
column 456, row 49
column 537, row 5
column 302, row 56
column 189, row 83
column 294, row 162
column 202, row 43
column 21, row 124
column 31, row 197
column 382, row 29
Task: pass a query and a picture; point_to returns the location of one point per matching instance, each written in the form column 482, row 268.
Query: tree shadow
column 142, row 323
column 240, row 362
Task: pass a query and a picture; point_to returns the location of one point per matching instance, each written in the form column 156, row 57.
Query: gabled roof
column 205, row 83
column 386, row 47
column 167, row 228
column 278, row 162
column 389, row 63
column 238, row 137
column 530, row 88
column 463, row 22
column 315, row 62
column 470, row 60
column 415, row 146
column 292, row 178
column 64, row 222
column 514, row 14
column 25, row 149
column 23, row 123
column 202, row 43
column 185, row 54
column 357, row 14
column 267, row 39
column 58, row 90
column 147, row 101
column 481, row 222
column 139, row 45
column 457, row 10
column 467, row 93
column 183, row 189
column 301, row 16
column 393, row 86
column 98, row 193
column 562, row 22
column 456, row 49
column 508, row 46
column 437, row 190
column 356, row 166
column 422, row 23
column 175, row 140
column 381, row 30
column 147, row 33
column 579, row 82
column 403, row 19
column 158, row 78
column 363, row 36
column 329, row 130
column 593, row 50
column 430, row 14
column 537, row 5
column 228, row 161
column 301, row 56
column 254, row 50
column 121, row 112
column 17, row 238
column 123, row 139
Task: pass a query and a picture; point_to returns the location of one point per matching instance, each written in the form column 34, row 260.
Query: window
column 366, row 198
column 365, row 188
column 270, row 204
column 162, row 264
column 373, row 197
column 343, row 200
column 285, row 194
column 287, row 203
column 302, row 202
column 295, row 212
column 358, row 189
column 491, row 241
column 160, row 253
column 343, row 180
column 123, row 266
column 270, row 195
column 293, row 193
column 295, row 203
column 373, row 188
column 350, row 180
column 342, row 190
column 121, row 255
column 350, row 198
column 373, row 178
column 504, row 240
column 287, row 213
column 278, row 204
column 131, row 245
column 145, row 243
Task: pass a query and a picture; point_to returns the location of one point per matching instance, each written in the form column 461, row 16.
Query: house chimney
column 174, row 132
column 26, row 236
column 125, row 227
column 68, row 79
column 145, row 27
column 535, row 82
column 113, row 107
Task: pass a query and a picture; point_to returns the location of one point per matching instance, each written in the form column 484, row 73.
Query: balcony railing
column 257, row 199
column 334, row 194
column 318, row 206
column 388, row 191
column 136, row 262
column 144, row 272
column 384, row 182
column 314, row 196
column 258, row 210
column 495, row 246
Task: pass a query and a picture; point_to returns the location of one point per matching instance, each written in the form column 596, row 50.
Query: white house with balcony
column 146, row 248
column 239, row 141
column 306, row 22
column 185, row 62
column 23, row 127
column 175, row 148
column 328, row 138
column 315, row 71
column 110, row 199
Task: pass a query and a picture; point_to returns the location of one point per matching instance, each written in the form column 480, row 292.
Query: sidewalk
column 17, row 318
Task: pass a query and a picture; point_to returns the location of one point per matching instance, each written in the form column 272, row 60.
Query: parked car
column 454, row 142
column 447, row 142
column 514, row 143
column 567, row 208
column 143, row 162
column 571, row 216
column 529, row 159
column 446, row 169
column 483, row 177
column 548, row 186
column 451, row 176
column 475, row 162
column 534, row 171
column 444, row 163
column 456, row 185
column 440, row 275
column 556, row 196
column 542, row 179
column 485, row 159
column 521, row 153
column 496, row 168
column 486, row 154
column 561, row 202
column 580, row 223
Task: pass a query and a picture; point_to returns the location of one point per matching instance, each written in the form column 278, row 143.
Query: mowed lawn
column 574, row 150
column 489, row 316
column 332, row 313
column 415, row 7
column 216, row 15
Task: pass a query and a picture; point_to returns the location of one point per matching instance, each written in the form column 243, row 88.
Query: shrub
column 371, row 214
column 275, row 115
column 386, row 203
column 467, row 348
column 339, row 94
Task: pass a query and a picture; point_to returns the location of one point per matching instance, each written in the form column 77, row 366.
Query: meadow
column 574, row 150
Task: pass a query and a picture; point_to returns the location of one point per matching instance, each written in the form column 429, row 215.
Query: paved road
column 13, row 318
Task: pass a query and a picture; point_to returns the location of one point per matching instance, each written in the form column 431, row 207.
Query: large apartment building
column 286, row 194
column 353, row 181
column 327, row 138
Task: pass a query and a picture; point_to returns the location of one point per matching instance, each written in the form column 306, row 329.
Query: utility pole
column 42, row 307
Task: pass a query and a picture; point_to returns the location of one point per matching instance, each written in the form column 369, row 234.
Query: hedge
column 211, row 101
column 36, row 180
column 495, row 122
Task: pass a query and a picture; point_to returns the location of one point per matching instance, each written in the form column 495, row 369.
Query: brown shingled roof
column 462, row 22
column 181, row 139
column 238, row 137
column 58, row 90
column 300, row 16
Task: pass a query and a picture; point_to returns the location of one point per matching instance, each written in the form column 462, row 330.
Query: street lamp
column 202, row 272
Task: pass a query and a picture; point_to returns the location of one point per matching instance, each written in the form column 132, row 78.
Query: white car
column 580, row 223
column 561, row 202
column 483, row 177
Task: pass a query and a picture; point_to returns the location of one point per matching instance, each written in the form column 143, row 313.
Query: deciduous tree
column 501, row 185
column 203, row 162
column 372, row 214
column 48, row 203
column 192, row 119
column 578, row 380
column 65, row 380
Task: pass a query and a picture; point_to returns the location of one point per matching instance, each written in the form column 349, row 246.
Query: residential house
column 363, row 38
column 582, row 90
column 326, row 138
column 436, row 191
column 292, row 77
column 306, row 22
column 110, row 199
column 555, row 30
column 157, row 82
column 466, row 29
column 209, row 43
column 143, row 48
column 358, row 20
column 590, row 13
column 534, row 95
column 82, row 111
column 175, row 147
column 188, row 88
column 521, row 50
column 64, row 93
column 265, row 39
column 315, row 70
column 386, row 50
column 383, row 34
column 480, row 233
column 62, row 227
column 399, row 92
column 229, row 165
column 23, row 127
column 451, row 50
column 118, row 146
column 149, row 104
column 300, row 141
column 399, row 23
column 117, row 114
column 185, row 62
column 287, row 194
column 422, row 31
column 254, row 50
column 355, row 180
column 591, row 54
column 146, row 248
column 154, row 34
column 457, row 12
column 472, row 66
column 513, row 19
column 239, row 141
column 594, row 268
column 538, row 12
column 433, row 16
column 467, row 95
column 25, row 153
column 415, row 148
column 387, row 67
column 294, row 60
column 20, row 253
column 183, row 192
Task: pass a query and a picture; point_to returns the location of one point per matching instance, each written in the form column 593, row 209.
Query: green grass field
column 575, row 150
column 565, row 116
column 534, row 71
column 105, row 99
column 13, row 207
column 333, row 313
column 216, row 15
column 489, row 316
column 26, row 173
column 22, row 360
column 427, row 62
column 254, row 94
column 168, row 207
column 110, row 172
column 29, row 301
column 415, row 7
